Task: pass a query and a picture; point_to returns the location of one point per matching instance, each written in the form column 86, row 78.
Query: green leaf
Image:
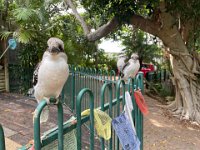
column 24, row 14
column 23, row 36
column 5, row 34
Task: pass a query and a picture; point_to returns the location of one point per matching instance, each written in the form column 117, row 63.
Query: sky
column 111, row 46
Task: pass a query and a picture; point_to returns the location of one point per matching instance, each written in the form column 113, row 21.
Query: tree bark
column 187, row 101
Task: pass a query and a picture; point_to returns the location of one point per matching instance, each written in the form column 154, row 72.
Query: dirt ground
column 161, row 130
column 164, row 132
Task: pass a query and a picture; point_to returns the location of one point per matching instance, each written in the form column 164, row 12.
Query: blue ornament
column 12, row 44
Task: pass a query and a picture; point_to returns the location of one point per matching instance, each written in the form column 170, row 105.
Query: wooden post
column 6, row 67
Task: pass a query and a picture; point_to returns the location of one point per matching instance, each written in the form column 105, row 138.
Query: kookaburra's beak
column 54, row 49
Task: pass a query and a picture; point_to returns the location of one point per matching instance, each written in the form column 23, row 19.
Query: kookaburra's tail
column 30, row 92
column 44, row 115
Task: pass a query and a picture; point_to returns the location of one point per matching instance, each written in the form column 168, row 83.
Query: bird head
column 55, row 45
column 122, row 56
column 134, row 56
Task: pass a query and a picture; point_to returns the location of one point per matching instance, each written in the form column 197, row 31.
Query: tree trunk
column 187, row 101
column 185, row 68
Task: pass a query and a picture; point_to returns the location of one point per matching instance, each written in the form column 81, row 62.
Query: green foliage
column 5, row 34
column 136, row 41
column 24, row 14
column 30, row 54
column 187, row 14
column 164, row 89
column 24, row 36
column 33, row 22
column 106, row 61
column 122, row 9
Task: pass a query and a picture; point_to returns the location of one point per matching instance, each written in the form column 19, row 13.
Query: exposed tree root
column 187, row 101
column 172, row 106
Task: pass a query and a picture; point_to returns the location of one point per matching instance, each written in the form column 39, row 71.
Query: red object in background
column 141, row 102
column 147, row 68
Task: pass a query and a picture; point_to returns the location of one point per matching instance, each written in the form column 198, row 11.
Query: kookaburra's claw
column 47, row 100
column 57, row 101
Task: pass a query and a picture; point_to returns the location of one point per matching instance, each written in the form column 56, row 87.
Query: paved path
column 12, row 145
column 16, row 114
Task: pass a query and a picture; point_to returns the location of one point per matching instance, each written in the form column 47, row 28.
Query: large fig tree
column 176, row 23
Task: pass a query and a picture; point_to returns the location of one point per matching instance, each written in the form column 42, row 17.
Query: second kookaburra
column 131, row 68
column 121, row 63
column 51, row 74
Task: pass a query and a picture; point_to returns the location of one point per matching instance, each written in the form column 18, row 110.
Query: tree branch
column 136, row 20
column 103, row 30
column 78, row 17
column 145, row 24
column 100, row 32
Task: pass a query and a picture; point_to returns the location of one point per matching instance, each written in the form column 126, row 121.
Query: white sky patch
column 80, row 9
column 111, row 46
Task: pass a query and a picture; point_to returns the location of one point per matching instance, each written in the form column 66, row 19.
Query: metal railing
column 80, row 78
column 112, row 105
column 88, row 89
column 157, row 76
column 2, row 139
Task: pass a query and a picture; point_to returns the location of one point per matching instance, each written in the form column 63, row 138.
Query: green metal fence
column 158, row 76
column 111, row 100
column 2, row 139
column 88, row 88
column 80, row 78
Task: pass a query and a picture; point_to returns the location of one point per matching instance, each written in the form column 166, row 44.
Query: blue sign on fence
column 125, row 133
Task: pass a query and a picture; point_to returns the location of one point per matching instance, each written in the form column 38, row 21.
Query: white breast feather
column 52, row 76
column 131, row 70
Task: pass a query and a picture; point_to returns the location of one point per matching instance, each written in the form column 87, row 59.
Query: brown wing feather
column 35, row 74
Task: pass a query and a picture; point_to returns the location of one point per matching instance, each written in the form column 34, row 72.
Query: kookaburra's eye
column 60, row 47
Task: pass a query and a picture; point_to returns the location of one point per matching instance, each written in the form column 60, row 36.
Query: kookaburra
column 51, row 74
column 121, row 62
column 131, row 68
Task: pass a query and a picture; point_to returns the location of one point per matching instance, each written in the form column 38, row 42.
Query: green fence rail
column 157, row 76
column 113, row 106
column 88, row 88
column 85, row 77
column 2, row 139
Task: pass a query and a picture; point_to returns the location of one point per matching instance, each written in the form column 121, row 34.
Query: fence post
column 38, row 111
column 60, row 126
column 73, row 88
column 78, row 113
column 139, row 79
column 103, row 89
column 119, row 82
column 2, row 139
